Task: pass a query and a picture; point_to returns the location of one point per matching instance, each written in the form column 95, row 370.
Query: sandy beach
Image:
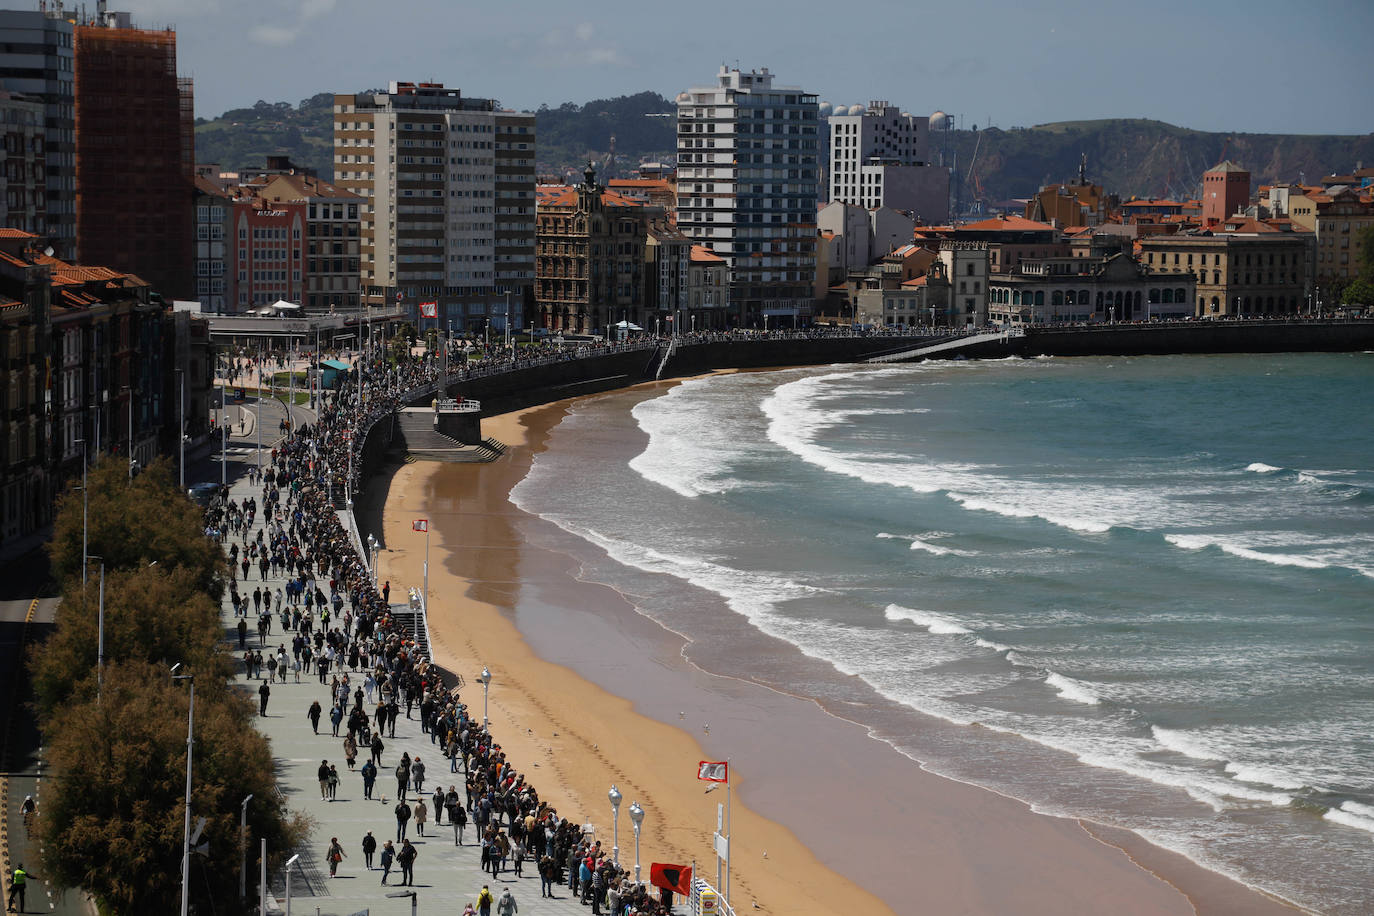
column 586, row 692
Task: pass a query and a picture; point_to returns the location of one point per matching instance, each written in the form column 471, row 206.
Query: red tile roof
column 8, row 233
column 566, row 196
column 1007, row 224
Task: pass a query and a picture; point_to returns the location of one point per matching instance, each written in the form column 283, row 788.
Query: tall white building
column 448, row 184
column 879, row 158
column 747, row 179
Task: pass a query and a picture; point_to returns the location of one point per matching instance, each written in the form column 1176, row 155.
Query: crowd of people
column 316, row 598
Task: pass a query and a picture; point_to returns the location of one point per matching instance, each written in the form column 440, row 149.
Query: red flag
column 676, row 878
column 420, row 524
column 713, row 771
column 429, row 309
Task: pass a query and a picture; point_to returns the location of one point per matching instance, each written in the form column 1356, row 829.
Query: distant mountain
column 1140, row 158
column 1127, row 156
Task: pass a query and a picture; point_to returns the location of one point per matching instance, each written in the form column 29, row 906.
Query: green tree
column 113, row 822
column 1359, row 292
column 154, row 615
column 133, row 523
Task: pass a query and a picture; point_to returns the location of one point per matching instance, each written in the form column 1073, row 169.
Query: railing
column 707, row 901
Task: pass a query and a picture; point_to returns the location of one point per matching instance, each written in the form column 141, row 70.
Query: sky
column 1256, row 66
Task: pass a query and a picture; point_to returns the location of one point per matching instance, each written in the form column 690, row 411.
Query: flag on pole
column 676, row 878
column 713, row 771
column 429, row 309
column 420, row 524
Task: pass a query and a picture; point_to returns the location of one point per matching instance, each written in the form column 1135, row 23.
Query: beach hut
column 330, row 369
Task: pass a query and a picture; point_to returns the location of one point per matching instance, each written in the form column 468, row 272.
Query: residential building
column 667, row 257
column 1083, row 290
column 878, row 157
column 1078, row 203
column 589, row 258
column 1011, row 240
column 1225, row 192
column 1256, row 272
column 23, row 180
column 1337, row 215
column 655, row 192
column 968, row 267
column 332, row 219
column 448, row 211
column 708, row 290
column 922, row 300
column 37, row 60
column 269, row 245
column 746, row 180
column 215, row 265
column 135, row 157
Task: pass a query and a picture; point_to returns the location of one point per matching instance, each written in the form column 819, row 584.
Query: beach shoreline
column 929, row 843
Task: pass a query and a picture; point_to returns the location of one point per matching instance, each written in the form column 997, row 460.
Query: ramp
column 956, row 343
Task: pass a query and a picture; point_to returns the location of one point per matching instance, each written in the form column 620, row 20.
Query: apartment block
column 879, row 158
column 1253, row 272
column 37, row 60
column 23, row 178
column 747, row 181
column 448, row 208
column 332, row 239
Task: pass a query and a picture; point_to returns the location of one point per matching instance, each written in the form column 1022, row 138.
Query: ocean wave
column 922, row 544
column 692, row 443
column 1352, row 814
column 1203, row 541
column 1079, row 524
column 1185, row 743
column 938, row 624
column 1262, row 776
column 1071, row 689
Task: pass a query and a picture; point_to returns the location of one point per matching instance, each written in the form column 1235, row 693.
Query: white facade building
column 747, row 181
column 879, row 158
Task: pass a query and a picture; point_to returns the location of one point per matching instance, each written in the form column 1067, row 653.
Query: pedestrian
column 388, row 856
column 263, row 693
column 519, row 853
column 243, row 631
column 548, row 871
column 377, row 747
column 18, row 880
column 421, row 815
column 313, row 714
column 369, row 848
column 407, row 859
column 350, row 749
column 506, row 905
column 402, row 820
column 335, row 856
column 369, row 772
column 438, row 806
column 417, row 774
column 333, row 782
column 323, row 775
column 484, row 902
column 459, row 817
column 335, row 716
column 402, row 778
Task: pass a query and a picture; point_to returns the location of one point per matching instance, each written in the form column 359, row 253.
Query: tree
column 1359, row 292
column 113, row 822
column 154, row 615
column 1365, row 253
column 132, row 523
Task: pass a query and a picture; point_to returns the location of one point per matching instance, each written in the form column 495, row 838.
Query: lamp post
column 190, row 733
column 132, row 392
column 223, row 433
column 243, row 848
column 85, row 525
column 486, row 685
column 616, row 798
column 636, row 818
column 100, row 637
column 290, row 866
column 411, row 894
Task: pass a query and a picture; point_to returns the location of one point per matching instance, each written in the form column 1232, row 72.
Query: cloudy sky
column 1226, row 65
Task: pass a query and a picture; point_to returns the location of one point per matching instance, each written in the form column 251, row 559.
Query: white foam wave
column 1201, row 541
column 938, row 624
column 1073, row 523
column 1186, row 743
column 989, row 644
column 1259, row 467
column 692, row 444
column 1352, row 814
column 1262, row 775
column 1071, row 689
column 920, row 543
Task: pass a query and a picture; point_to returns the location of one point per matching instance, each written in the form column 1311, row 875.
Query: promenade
column 447, row 876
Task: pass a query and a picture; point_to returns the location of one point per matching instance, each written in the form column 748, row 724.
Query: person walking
column 484, row 901
column 388, row 856
column 402, row 820
column 377, row 747
column 417, row 774
column 350, row 749
column 406, row 857
column 313, row 714
column 19, row 879
column 402, row 778
column 548, row 871
column 506, row 906
column 263, row 693
column 369, row 849
column 369, row 772
column 333, row 782
column 421, row 815
column 323, row 775
column 458, row 815
column 335, row 855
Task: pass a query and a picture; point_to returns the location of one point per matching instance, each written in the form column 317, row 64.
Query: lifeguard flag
column 420, row 524
column 429, row 309
column 676, row 878
column 713, row 771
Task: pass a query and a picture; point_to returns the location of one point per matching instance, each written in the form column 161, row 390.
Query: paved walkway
column 447, row 876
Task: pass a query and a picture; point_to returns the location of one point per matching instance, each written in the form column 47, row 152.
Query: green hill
column 1131, row 157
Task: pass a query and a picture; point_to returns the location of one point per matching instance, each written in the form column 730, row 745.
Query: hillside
column 1128, row 156
column 1143, row 158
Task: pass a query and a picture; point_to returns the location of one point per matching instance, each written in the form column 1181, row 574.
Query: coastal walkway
column 446, row 875
column 957, row 343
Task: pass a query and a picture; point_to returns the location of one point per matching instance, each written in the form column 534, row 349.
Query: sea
column 1136, row 590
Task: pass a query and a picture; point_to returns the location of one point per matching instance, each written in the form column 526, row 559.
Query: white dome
column 825, row 108
column 856, row 109
column 941, row 121
column 684, row 96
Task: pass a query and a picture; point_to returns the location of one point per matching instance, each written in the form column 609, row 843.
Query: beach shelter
column 623, row 328
column 330, row 369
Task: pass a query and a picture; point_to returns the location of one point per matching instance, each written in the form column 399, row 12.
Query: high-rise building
column 36, row 59
column 134, row 156
column 1225, row 192
column 879, row 158
column 747, row 178
column 23, row 179
column 449, row 209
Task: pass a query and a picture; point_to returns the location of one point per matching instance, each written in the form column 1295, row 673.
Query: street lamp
column 85, row 525
column 616, row 798
column 190, row 732
column 411, row 894
column 243, row 848
column 486, row 685
column 290, row 863
column 100, row 638
column 181, row 425
column 636, row 818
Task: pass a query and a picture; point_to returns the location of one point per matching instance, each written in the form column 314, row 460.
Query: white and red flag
column 713, row 771
column 420, row 524
column 429, row 309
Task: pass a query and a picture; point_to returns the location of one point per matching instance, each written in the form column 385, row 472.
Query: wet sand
column 880, row 835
